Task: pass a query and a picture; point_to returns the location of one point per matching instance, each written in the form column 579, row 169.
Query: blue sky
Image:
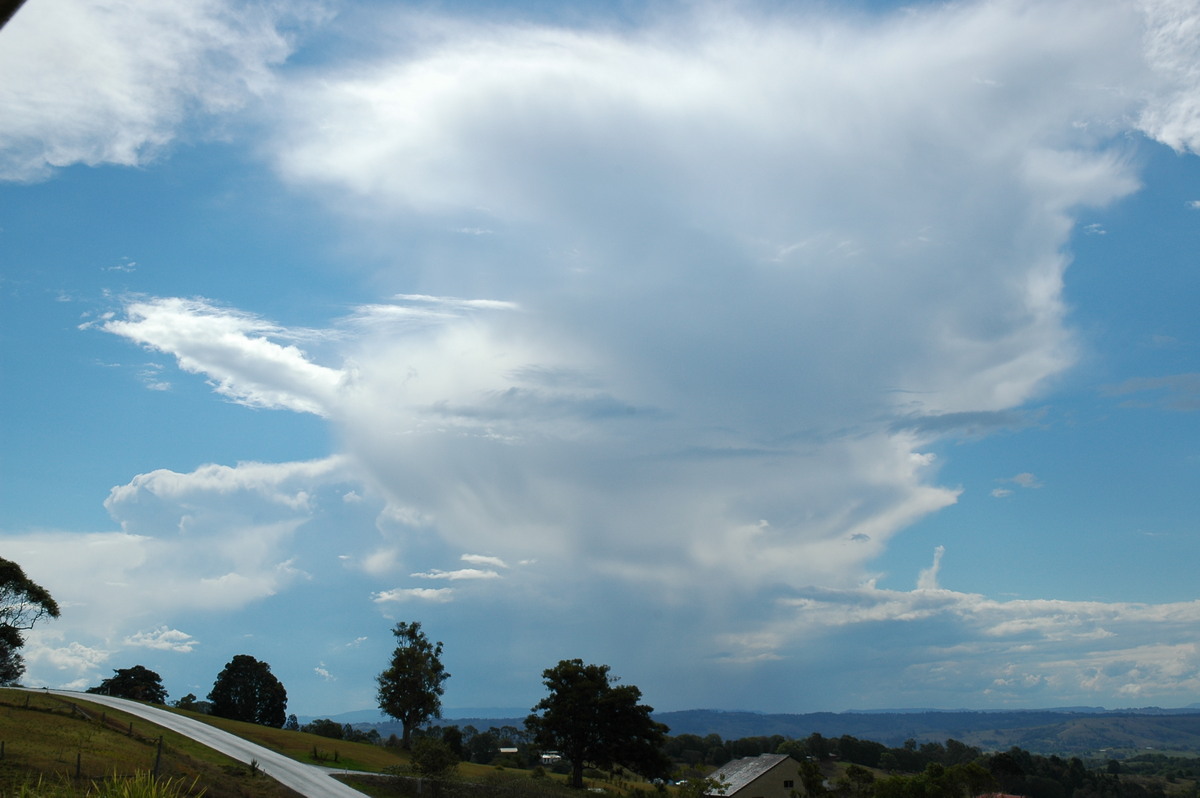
column 784, row 357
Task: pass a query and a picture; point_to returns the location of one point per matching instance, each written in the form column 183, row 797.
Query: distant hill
column 1069, row 731
column 1081, row 731
column 463, row 716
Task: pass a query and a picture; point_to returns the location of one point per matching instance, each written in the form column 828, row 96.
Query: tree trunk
column 577, row 774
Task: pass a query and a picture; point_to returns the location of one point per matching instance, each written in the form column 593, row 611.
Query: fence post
column 158, row 756
column 78, row 760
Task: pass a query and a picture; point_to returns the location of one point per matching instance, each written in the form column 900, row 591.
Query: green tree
column 812, row 778
column 410, row 690
column 325, row 728
column 188, row 702
column 701, row 786
column 23, row 603
column 861, row 780
column 433, row 758
column 594, row 722
column 247, row 690
column 137, row 683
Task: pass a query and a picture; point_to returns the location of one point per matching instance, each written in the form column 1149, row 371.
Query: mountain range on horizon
column 518, row 714
column 1074, row 731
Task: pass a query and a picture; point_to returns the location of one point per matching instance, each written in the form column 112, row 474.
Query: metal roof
column 740, row 772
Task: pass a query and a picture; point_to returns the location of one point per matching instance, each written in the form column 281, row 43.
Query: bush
column 433, row 759
column 325, row 728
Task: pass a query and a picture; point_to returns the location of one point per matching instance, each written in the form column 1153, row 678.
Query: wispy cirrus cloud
column 1024, row 480
column 1172, row 392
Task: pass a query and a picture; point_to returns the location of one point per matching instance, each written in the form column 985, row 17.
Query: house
column 766, row 776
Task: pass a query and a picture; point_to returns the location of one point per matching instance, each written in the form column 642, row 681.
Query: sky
column 783, row 357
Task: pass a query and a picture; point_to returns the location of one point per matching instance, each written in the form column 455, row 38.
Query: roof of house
column 740, row 772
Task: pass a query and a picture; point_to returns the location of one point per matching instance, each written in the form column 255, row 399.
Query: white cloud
column 1023, row 480
column 234, row 349
column 1026, row 480
column 1172, row 112
column 70, row 667
column 960, row 645
column 928, row 578
column 98, row 83
column 285, row 486
column 463, row 573
column 797, row 242
column 482, row 559
column 441, row 594
column 164, row 639
column 214, row 542
column 834, row 280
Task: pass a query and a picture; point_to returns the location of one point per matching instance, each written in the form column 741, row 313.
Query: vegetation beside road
column 312, row 749
column 61, row 747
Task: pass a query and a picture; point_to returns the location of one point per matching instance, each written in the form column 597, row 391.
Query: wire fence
column 91, row 750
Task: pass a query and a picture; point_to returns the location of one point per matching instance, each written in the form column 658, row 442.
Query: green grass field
column 301, row 746
column 50, row 747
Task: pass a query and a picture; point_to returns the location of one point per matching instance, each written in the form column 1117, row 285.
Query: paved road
column 308, row 780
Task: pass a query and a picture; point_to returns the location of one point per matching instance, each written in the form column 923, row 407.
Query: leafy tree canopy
column 433, row 758
column 23, row 603
column 247, row 690
column 594, row 722
column 137, row 683
column 193, row 704
column 325, row 727
column 411, row 688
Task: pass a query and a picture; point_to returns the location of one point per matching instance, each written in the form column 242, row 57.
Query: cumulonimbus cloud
column 743, row 272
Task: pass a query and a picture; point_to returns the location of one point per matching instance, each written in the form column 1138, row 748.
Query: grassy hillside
column 54, row 746
column 310, row 748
